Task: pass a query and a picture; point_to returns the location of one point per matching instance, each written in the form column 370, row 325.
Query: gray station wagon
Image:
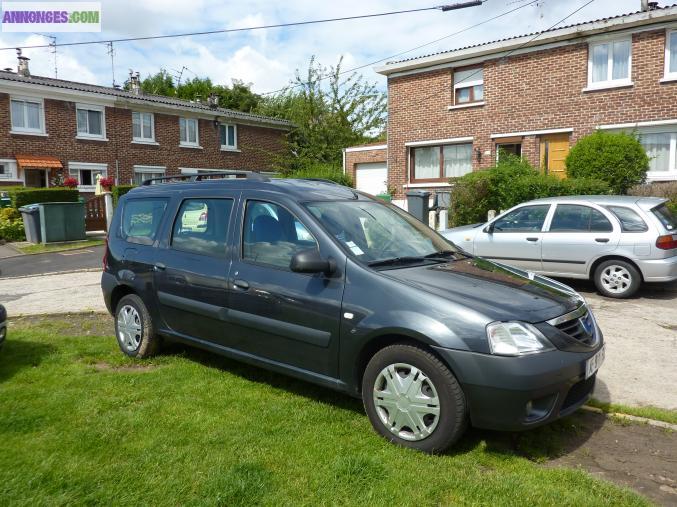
column 617, row 241
column 313, row 280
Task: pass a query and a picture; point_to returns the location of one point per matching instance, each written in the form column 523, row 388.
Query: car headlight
column 516, row 339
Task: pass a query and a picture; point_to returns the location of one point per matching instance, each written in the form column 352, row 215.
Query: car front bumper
column 659, row 270
column 519, row 393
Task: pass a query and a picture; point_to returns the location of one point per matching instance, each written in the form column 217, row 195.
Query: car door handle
column 159, row 266
column 240, row 284
column 532, row 239
column 602, row 240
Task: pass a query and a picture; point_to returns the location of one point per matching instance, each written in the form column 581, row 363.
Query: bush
column 120, row 190
column 666, row 189
column 511, row 182
column 9, row 214
column 618, row 159
column 324, row 172
column 12, row 230
column 38, row 195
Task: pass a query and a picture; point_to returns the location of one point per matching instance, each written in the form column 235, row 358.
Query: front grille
column 576, row 328
column 579, row 392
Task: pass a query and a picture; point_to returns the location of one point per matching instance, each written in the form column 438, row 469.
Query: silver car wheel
column 406, row 401
column 616, row 279
column 129, row 328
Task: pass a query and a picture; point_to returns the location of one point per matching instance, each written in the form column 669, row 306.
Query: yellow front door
column 554, row 150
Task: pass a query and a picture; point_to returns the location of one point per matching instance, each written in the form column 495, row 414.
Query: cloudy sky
column 269, row 58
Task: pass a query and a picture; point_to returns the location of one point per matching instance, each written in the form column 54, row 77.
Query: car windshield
column 666, row 217
column 373, row 232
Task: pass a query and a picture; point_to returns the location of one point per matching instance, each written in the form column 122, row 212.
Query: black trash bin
column 31, row 217
column 418, row 204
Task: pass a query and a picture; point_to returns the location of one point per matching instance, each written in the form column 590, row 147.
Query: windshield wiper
column 444, row 255
column 404, row 260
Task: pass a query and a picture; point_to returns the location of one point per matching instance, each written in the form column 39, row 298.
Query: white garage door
column 372, row 178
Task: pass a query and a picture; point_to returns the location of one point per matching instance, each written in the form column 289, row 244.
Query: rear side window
column 272, row 235
column 666, row 217
column 576, row 218
column 141, row 219
column 629, row 219
column 201, row 226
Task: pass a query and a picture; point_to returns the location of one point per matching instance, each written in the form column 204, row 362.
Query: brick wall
column 258, row 146
column 535, row 91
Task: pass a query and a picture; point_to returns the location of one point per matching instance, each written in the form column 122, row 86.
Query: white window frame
column 189, row 144
column 671, row 173
column 25, row 130
column 667, row 75
column 142, row 139
column 76, row 167
column 87, row 135
column 609, row 82
column 13, row 170
column 469, row 84
column 228, row 147
column 148, row 169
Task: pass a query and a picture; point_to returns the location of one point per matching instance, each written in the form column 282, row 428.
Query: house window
column 146, row 172
column 8, row 170
column 661, row 147
column 671, row 54
column 188, row 134
column 143, row 127
column 86, row 173
column 27, row 115
column 508, row 149
column 439, row 163
column 228, row 135
column 91, row 121
column 468, row 86
column 609, row 63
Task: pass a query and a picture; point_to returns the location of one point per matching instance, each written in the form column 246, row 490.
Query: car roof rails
column 323, row 180
column 222, row 175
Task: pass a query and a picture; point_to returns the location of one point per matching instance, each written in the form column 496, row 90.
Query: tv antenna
column 111, row 52
column 52, row 45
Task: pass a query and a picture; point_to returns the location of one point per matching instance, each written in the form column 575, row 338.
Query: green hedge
column 511, row 182
column 324, row 172
column 12, row 230
column 120, row 190
column 38, row 195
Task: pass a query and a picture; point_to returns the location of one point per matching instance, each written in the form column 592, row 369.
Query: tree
column 327, row 118
column 158, row 84
column 618, row 159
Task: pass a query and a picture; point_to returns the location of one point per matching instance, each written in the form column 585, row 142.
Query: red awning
column 38, row 162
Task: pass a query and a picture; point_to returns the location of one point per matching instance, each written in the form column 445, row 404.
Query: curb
column 635, row 418
column 85, row 270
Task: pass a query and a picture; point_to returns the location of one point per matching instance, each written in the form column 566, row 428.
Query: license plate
column 593, row 364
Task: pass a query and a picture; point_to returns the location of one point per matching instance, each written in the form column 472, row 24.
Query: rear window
column 141, row 220
column 629, row 219
column 666, row 217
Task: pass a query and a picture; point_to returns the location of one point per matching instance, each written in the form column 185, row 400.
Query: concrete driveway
column 641, row 333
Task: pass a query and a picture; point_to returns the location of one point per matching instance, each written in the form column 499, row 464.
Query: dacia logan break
column 324, row 283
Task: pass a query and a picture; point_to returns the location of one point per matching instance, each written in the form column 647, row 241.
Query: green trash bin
column 62, row 221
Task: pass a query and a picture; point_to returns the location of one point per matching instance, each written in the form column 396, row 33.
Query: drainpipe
column 117, row 172
column 343, row 153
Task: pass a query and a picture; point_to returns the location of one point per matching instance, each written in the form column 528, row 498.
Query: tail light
column 667, row 242
column 105, row 254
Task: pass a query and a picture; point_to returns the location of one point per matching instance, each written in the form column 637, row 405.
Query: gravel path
column 641, row 333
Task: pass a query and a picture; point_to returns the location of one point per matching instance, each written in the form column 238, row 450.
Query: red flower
column 106, row 182
column 70, row 183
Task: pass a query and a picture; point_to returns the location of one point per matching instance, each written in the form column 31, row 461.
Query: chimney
column 645, row 5
column 22, row 68
column 213, row 100
column 134, row 82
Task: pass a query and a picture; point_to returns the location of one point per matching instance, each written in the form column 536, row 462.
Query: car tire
column 134, row 328
column 617, row 279
column 430, row 381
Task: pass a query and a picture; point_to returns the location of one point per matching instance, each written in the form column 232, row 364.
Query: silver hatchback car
column 617, row 241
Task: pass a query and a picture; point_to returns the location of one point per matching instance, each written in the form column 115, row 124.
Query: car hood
column 498, row 291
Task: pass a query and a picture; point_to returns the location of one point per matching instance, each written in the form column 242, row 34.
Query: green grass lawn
column 650, row 412
column 58, row 247
column 81, row 424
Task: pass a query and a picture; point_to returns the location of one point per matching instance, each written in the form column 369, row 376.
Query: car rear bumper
column 108, row 283
column 519, row 393
column 3, row 325
column 659, row 270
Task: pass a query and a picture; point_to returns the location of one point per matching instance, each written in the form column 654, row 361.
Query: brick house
column 454, row 112
column 50, row 125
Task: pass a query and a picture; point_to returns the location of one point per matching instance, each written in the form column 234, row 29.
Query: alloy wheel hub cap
column 129, row 328
column 406, row 401
column 616, row 279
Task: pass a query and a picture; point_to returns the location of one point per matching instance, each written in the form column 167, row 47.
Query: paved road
column 86, row 258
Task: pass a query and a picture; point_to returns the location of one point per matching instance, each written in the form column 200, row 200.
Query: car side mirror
column 489, row 228
column 310, row 261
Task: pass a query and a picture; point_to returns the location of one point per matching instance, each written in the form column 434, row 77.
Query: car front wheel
column 134, row 328
column 412, row 399
column 617, row 279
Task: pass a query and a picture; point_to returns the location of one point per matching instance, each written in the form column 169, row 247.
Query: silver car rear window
column 629, row 219
column 666, row 217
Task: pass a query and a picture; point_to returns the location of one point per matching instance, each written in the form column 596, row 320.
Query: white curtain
column 600, row 63
column 621, row 59
column 457, row 160
column 427, row 163
column 657, row 147
column 673, row 52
